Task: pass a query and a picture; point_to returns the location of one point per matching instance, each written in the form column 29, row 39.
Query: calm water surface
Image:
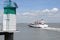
column 28, row 33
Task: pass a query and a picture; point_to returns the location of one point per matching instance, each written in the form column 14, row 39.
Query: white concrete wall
column 11, row 24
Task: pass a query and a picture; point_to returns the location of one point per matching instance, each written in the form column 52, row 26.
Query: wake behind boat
column 38, row 24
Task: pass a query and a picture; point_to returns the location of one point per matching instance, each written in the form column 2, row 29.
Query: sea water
column 29, row 33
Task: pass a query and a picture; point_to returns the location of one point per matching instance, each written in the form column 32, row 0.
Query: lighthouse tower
column 9, row 16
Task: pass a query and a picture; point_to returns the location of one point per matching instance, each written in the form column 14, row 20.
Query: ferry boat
column 38, row 24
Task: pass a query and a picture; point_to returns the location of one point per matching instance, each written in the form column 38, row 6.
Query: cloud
column 46, row 14
column 31, row 13
column 1, row 12
column 28, row 14
column 46, row 10
column 35, row 13
column 55, row 10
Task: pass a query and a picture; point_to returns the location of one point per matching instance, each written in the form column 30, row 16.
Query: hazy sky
column 32, row 10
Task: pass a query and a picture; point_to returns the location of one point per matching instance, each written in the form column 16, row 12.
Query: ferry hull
column 39, row 26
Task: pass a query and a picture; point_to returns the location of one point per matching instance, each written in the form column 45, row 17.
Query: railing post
column 9, row 36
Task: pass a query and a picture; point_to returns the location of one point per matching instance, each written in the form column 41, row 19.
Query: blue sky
column 32, row 10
